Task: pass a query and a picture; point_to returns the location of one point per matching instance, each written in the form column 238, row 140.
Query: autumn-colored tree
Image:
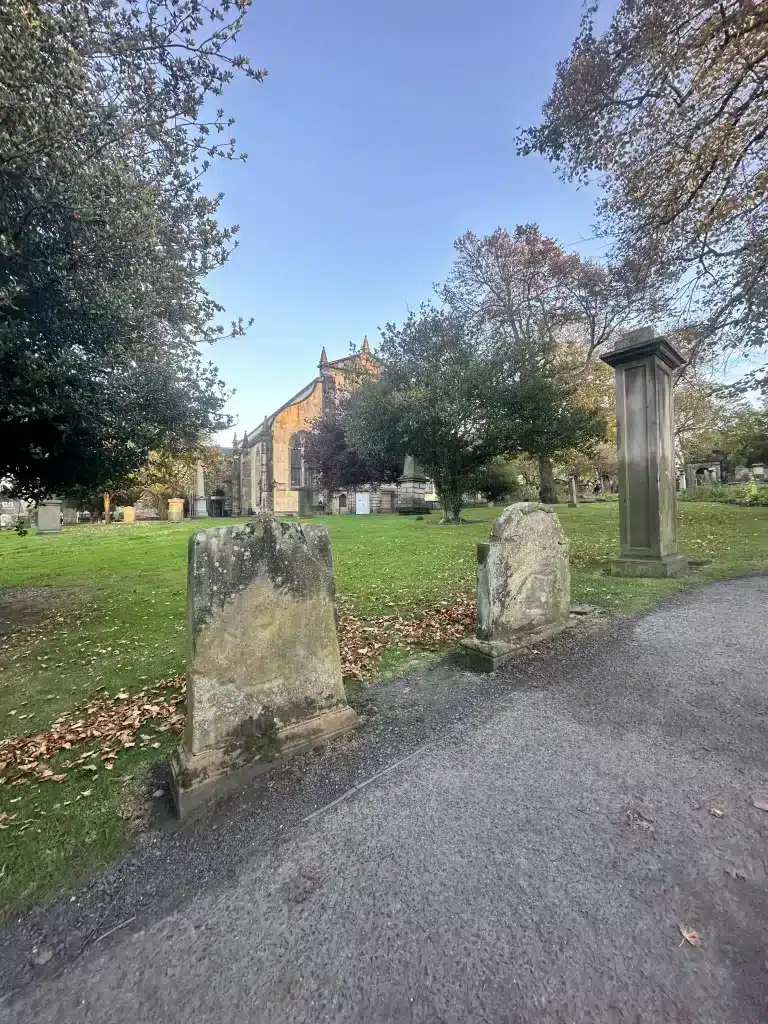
column 537, row 296
column 711, row 423
column 667, row 111
column 168, row 474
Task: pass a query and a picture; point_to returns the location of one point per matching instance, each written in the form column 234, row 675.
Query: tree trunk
column 450, row 498
column 107, row 506
column 547, row 491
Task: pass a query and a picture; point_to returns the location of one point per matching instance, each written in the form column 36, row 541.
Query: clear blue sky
column 385, row 129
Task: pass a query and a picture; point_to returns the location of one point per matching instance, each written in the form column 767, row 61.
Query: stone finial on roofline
column 323, row 357
column 366, row 348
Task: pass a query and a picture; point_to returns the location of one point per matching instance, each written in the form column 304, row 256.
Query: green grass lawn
column 105, row 613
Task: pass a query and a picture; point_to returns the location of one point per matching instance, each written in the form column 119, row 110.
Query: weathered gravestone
column 523, row 584
column 573, row 492
column 49, row 516
column 263, row 666
column 175, row 510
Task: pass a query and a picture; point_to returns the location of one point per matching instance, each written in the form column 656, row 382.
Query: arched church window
column 301, row 474
column 297, row 459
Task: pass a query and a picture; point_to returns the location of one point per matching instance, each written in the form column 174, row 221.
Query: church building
column 268, row 470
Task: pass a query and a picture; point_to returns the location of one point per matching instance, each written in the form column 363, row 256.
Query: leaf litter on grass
column 362, row 640
column 115, row 723
column 112, row 723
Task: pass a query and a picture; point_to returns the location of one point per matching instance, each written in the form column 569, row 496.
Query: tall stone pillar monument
column 199, row 505
column 644, row 363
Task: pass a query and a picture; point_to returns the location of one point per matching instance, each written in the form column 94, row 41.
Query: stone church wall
column 287, row 422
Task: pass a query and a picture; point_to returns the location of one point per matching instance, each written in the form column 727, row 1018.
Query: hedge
column 731, row 494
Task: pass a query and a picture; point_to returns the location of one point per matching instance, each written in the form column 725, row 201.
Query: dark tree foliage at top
column 667, row 111
column 108, row 123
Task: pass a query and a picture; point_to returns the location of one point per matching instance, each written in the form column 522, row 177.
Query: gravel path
column 531, row 859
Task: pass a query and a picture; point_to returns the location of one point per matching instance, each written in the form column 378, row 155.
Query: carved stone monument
column 175, row 510
column 523, row 584
column 573, row 493
column 644, row 363
column 129, row 514
column 199, row 504
column 49, row 516
column 263, row 666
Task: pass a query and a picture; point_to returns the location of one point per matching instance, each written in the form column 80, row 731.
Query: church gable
column 268, row 470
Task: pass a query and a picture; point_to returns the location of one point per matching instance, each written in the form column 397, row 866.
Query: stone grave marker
column 49, row 516
column 263, row 666
column 523, row 584
column 573, row 492
column 175, row 510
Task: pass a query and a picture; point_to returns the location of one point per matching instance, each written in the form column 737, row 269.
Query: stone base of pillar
column 199, row 508
column 653, row 568
column 574, row 504
column 199, row 778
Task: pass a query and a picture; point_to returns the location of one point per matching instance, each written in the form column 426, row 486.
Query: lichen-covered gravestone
column 523, row 584
column 263, row 666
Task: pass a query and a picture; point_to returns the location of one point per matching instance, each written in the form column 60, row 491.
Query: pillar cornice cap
column 642, row 343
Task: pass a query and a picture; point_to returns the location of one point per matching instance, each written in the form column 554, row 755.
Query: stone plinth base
column 199, row 508
column 200, row 778
column 654, row 568
column 488, row 655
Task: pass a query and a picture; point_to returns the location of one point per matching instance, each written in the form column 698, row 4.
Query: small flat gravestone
column 263, row 667
column 523, row 585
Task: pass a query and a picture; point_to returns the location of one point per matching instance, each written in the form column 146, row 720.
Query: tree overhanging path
column 531, row 861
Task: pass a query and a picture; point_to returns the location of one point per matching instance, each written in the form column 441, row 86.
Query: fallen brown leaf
column 689, row 935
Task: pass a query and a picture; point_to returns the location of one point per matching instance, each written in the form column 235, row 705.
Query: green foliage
column 106, row 234
column 712, row 423
column 454, row 395
column 497, row 481
column 730, row 494
column 445, row 395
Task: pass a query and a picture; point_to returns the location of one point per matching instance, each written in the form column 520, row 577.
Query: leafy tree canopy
column 327, row 451
column 544, row 306
column 667, row 111
column 108, row 123
column 454, row 397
